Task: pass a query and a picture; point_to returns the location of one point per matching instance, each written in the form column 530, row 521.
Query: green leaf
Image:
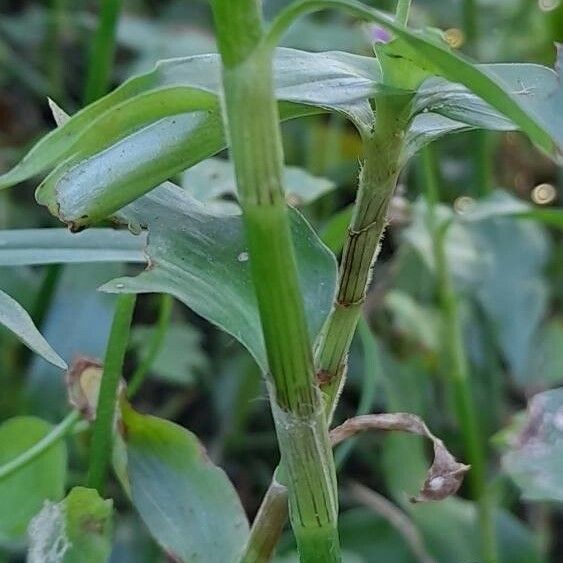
column 179, row 358
column 427, row 127
column 214, row 178
column 14, row 317
column 543, row 366
column 334, row 231
column 188, row 504
column 487, row 252
column 132, row 165
column 418, row 322
column 502, row 204
column 515, row 254
column 333, row 80
column 461, row 542
column 534, row 458
column 27, row 247
column 530, row 96
column 202, row 259
column 536, row 112
column 24, row 492
column 75, row 530
column 78, row 324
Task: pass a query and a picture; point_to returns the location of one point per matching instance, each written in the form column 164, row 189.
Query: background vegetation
column 502, row 281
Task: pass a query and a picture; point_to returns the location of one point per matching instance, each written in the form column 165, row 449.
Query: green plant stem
column 378, row 179
column 402, row 11
column 456, row 365
column 163, row 322
column 307, row 465
column 370, row 378
column 102, row 435
column 57, row 433
column 480, row 141
column 377, row 183
column 102, row 51
column 268, row 526
column 52, row 48
column 470, row 22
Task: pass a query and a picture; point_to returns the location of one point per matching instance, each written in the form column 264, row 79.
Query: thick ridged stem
column 378, row 178
column 457, row 367
column 252, row 122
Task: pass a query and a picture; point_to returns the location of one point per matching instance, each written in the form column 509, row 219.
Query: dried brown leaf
column 444, row 476
column 83, row 380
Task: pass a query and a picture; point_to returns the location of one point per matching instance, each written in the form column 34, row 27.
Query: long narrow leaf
column 14, row 317
column 28, row 247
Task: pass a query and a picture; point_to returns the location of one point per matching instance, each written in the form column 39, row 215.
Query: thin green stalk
column 470, row 22
column 102, row 51
column 255, row 143
column 57, row 433
column 480, row 141
column 46, row 293
column 163, row 322
column 52, row 48
column 457, row 368
column 102, row 435
column 268, row 527
column 402, row 11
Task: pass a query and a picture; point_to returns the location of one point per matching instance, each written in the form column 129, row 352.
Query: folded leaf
column 202, row 259
column 75, row 530
column 537, row 112
column 188, row 504
column 333, row 81
column 14, row 317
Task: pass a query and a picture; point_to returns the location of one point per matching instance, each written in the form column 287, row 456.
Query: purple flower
column 379, row 34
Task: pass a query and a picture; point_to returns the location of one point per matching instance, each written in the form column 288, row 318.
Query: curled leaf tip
column 83, row 385
column 444, row 477
column 83, row 380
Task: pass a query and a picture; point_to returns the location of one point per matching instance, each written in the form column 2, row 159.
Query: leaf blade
column 14, row 317
column 188, row 504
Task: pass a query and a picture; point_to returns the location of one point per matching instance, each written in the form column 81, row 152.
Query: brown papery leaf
column 444, row 476
column 83, row 380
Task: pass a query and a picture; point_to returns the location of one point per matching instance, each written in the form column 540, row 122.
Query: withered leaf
column 444, row 476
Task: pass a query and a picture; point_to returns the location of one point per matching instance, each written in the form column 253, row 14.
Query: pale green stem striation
column 457, row 367
column 252, row 122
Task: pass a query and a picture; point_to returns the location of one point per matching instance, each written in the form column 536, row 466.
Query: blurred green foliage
column 507, row 272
